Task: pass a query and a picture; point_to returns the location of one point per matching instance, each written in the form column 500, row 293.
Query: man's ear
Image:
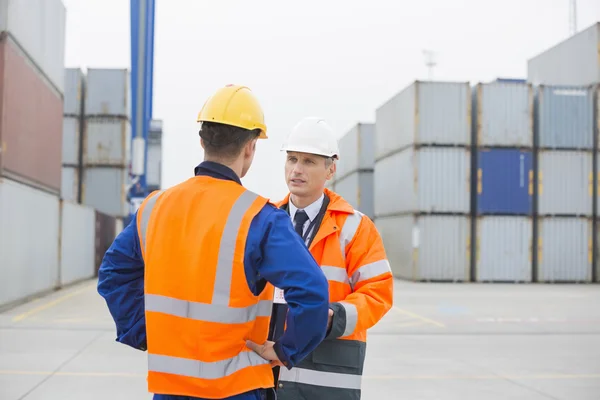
column 332, row 169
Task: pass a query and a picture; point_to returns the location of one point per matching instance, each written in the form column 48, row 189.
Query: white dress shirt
column 311, row 210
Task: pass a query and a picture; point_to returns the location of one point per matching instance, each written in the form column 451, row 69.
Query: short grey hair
column 329, row 161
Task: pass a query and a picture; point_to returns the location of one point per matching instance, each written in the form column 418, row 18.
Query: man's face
column 306, row 174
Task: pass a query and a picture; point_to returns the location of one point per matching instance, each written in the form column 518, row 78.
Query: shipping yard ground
column 441, row 341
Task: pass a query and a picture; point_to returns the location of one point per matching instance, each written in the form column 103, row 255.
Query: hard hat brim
column 310, row 150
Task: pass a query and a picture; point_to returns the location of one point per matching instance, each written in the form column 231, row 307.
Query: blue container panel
column 505, row 182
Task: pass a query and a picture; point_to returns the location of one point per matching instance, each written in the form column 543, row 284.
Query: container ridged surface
column 504, row 114
column 357, row 189
column 104, row 189
column 154, row 164
column 427, row 179
column 357, row 150
column 564, row 249
column 31, row 111
column 70, row 184
column 503, row 250
column 74, row 86
column 105, row 235
column 27, row 214
column 427, row 247
column 70, row 141
column 38, row 26
column 106, row 141
column 565, row 117
column 565, row 182
column 107, row 92
column 77, row 244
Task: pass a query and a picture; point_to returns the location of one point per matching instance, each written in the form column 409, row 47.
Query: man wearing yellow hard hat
column 191, row 279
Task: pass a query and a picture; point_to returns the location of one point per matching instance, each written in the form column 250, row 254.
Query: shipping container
column 426, row 180
column 74, row 89
column 38, row 27
column 357, row 189
column 503, row 250
column 107, row 92
column 504, row 181
column 30, row 122
column 503, row 114
column 106, row 141
column 77, row 242
column 105, row 189
column 29, row 230
column 70, row 141
column 565, row 117
column 118, row 226
column 357, row 150
column 424, row 113
column 427, row 247
column 70, row 184
column 105, row 235
column 564, row 249
column 565, row 182
column 154, row 164
column 330, row 184
column 573, row 61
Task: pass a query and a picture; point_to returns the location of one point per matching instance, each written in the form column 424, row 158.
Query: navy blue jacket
column 274, row 253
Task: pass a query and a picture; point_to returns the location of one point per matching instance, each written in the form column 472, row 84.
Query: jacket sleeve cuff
column 338, row 322
column 282, row 356
column 136, row 336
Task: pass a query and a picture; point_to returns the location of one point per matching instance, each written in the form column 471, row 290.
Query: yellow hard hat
column 237, row 106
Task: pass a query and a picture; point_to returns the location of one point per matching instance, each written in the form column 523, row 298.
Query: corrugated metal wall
column 104, row 189
column 77, row 242
column 357, row 150
column 27, row 270
column 504, row 248
column 357, row 189
column 107, row 92
column 106, row 227
column 565, row 180
column 429, row 247
column 107, row 142
column 70, row 141
column 564, row 249
column 74, row 88
column 70, row 184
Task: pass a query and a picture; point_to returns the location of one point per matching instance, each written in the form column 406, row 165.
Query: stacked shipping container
column 154, row 158
column 422, row 175
column 72, row 134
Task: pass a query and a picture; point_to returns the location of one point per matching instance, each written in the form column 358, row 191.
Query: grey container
column 503, row 114
column 423, row 180
column 78, row 242
column 70, row 141
column 357, row 150
column 565, row 117
column 74, row 89
column 107, row 141
column 503, row 250
column 105, row 189
column 565, row 182
column 357, row 189
column 573, row 61
column 107, row 92
column 424, row 113
column 427, row 247
column 564, row 249
column 69, row 185
column 154, row 164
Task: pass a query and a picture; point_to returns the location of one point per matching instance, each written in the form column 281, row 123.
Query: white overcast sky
column 338, row 59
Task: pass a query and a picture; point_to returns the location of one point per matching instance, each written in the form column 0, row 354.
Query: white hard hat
column 312, row 135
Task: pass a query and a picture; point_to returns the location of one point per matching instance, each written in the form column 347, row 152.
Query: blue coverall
column 274, row 253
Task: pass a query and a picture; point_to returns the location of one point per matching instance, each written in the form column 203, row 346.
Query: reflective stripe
column 335, row 274
column 203, row 370
column 206, row 312
column 319, row 378
column 349, row 230
column 351, row 317
column 146, row 215
column 369, row 271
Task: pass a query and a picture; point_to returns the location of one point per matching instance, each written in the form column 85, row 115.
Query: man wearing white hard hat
column 350, row 251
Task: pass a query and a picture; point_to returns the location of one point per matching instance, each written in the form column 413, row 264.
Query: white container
column 105, row 189
column 357, row 189
column 504, row 249
column 357, row 150
column 73, row 96
column 69, row 184
column 29, row 242
column 107, row 141
column 107, row 93
column 564, row 249
column 427, row 247
column 565, row 182
column 70, row 141
column 503, row 114
column 573, row 61
column 77, row 242
column 154, row 164
column 38, row 27
column 423, row 180
column 424, row 113
column 118, row 226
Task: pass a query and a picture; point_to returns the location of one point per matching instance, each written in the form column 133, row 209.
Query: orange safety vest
column 199, row 309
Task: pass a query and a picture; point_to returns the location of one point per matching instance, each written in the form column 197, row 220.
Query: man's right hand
column 266, row 351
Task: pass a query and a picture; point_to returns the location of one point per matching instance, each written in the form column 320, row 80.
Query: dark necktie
column 299, row 219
